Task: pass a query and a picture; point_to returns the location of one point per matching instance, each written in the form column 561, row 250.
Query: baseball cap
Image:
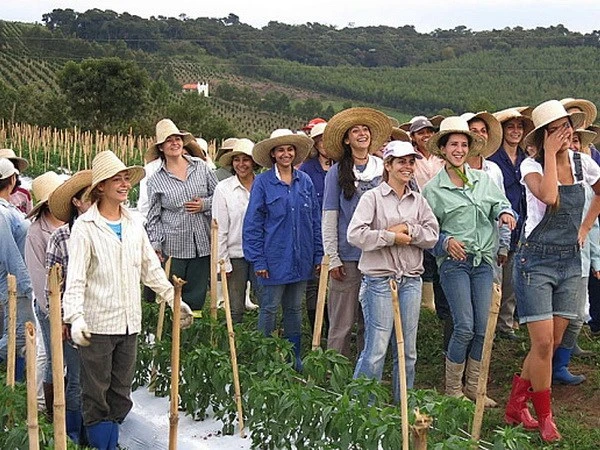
column 419, row 124
column 398, row 149
column 7, row 169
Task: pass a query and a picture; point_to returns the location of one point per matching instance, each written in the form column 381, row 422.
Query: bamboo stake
column 322, row 292
column 419, row 430
column 159, row 331
column 214, row 254
column 488, row 342
column 12, row 330
column 54, row 307
column 401, row 363
column 32, row 410
column 174, row 413
column 234, row 364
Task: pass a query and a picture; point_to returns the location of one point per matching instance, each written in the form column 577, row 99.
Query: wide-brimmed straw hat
column 59, row 201
column 227, row 146
column 106, row 165
column 455, row 125
column 548, row 112
column 494, row 130
column 590, row 110
column 262, row 151
column 241, row 147
column 395, row 122
column 513, row 113
column 595, row 129
column 19, row 163
column 586, row 137
column 42, row 187
column 164, row 129
column 398, row 134
column 378, row 123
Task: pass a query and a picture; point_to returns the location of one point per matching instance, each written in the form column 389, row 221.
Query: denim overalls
column 547, row 269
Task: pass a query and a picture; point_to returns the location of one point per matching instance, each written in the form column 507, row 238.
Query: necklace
column 361, row 159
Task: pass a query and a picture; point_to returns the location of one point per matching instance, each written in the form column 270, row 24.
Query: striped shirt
column 103, row 281
column 171, row 229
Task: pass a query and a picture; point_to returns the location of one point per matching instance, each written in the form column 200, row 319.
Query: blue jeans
column 44, row 321
column 24, row 314
column 289, row 296
column 469, row 292
column 378, row 311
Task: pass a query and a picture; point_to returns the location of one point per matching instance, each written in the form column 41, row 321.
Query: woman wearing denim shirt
column 282, row 233
column 467, row 204
column 392, row 225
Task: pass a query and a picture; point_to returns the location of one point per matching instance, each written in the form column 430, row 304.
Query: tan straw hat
column 227, row 146
column 586, row 137
column 494, row 130
column 590, row 110
column 395, row 122
column 241, row 147
column 59, row 201
column 262, row 151
column 42, row 187
column 548, row 112
column 106, row 165
column 378, row 123
column 398, row 134
column 455, row 125
column 164, row 129
column 595, row 129
column 19, row 163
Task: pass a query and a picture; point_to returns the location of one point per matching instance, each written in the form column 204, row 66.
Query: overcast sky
column 425, row 15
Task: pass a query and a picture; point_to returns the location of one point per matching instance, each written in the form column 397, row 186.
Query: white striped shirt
column 103, row 281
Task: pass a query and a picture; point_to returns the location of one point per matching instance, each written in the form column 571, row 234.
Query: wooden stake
column 322, row 292
column 11, row 348
column 32, row 408
column 159, row 330
column 420, row 429
column 214, row 255
column 58, row 377
column 488, row 342
column 401, row 363
column 234, row 364
column 174, row 413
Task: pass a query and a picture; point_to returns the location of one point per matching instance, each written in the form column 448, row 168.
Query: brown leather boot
column 472, row 381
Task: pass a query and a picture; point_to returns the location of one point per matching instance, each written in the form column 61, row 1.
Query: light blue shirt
column 13, row 231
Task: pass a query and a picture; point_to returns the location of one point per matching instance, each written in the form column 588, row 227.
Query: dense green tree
column 195, row 115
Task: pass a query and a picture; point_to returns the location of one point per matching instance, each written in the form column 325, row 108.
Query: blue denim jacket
column 282, row 228
column 13, row 231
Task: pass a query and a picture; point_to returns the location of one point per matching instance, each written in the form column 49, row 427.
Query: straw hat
column 106, row 165
column 590, row 110
column 395, row 122
column 262, row 151
column 548, row 112
column 318, row 130
column 455, row 125
column 398, row 134
column 164, row 129
column 586, row 137
column 19, row 163
column 241, row 147
column 227, row 146
column 7, row 168
column 59, row 201
column 42, row 187
column 513, row 113
column 595, row 129
column 494, row 129
column 378, row 123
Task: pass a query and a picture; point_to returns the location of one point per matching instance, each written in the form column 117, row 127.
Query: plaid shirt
column 56, row 253
column 172, row 230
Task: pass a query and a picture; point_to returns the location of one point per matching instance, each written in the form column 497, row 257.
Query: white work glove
column 80, row 332
column 187, row 317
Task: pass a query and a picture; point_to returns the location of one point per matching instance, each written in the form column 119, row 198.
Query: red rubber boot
column 517, row 412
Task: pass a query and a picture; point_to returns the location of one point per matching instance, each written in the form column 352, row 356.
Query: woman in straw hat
column 547, row 267
column 229, row 205
column 13, row 231
column 109, row 255
column 282, row 232
column 349, row 137
column 44, row 224
column 392, row 225
column 180, row 194
column 66, row 204
column 467, row 204
column 20, row 197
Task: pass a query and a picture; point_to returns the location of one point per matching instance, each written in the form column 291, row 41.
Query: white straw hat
column 242, row 146
column 494, row 130
column 590, row 110
column 7, row 168
column 106, row 165
column 19, row 163
column 42, row 187
column 548, row 112
column 262, row 151
column 59, row 201
column 455, row 125
column 164, row 129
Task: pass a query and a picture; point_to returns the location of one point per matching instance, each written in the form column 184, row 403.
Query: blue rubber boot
column 74, row 424
column 296, row 340
column 560, row 369
column 99, row 435
column 114, row 437
column 20, row 369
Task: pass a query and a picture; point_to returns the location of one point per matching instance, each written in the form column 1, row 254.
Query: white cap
column 7, row 169
column 398, row 149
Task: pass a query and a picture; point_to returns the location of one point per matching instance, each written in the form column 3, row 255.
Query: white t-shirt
column 536, row 208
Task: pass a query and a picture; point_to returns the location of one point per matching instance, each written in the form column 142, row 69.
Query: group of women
column 349, row 191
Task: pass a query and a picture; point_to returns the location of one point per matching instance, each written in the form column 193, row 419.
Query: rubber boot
column 20, row 369
column 517, row 412
column 427, row 296
column 543, row 410
column 99, row 435
column 296, row 342
column 560, row 369
column 471, row 382
column 74, row 425
column 114, row 437
column 454, row 375
column 49, row 401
